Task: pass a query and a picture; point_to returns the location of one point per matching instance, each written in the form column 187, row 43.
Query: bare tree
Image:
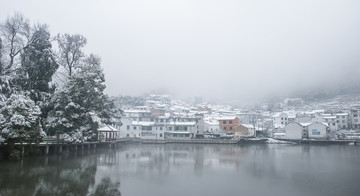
column 16, row 33
column 92, row 60
column 70, row 50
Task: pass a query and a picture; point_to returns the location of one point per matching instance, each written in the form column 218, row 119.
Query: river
column 209, row 170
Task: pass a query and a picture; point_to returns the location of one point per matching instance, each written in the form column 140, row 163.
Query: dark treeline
column 48, row 86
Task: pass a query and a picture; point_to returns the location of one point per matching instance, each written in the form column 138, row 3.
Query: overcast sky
column 223, row 49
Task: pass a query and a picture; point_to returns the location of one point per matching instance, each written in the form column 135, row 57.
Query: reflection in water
column 190, row 170
column 54, row 175
column 107, row 187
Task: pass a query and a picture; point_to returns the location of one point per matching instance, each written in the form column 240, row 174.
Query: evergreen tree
column 79, row 104
column 20, row 120
column 38, row 65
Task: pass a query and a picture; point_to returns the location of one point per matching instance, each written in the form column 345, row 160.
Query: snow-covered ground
column 274, row 141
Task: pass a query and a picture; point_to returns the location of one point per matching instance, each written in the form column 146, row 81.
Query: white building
column 139, row 115
column 331, row 122
column 355, row 119
column 294, row 131
column 212, row 126
column 318, row 130
column 280, row 119
column 128, row 130
column 311, row 130
column 181, row 130
column 342, row 120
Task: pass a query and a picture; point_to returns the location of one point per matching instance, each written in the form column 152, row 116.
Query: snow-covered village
column 160, row 117
column 191, row 97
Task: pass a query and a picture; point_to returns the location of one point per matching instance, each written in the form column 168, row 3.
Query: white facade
column 317, row 130
column 331, row 122
column 179, row 135
column 212, row 127
column 281, row 119
column 127, row 130
column 294, row 131
column 342, row 120
column 355, row 119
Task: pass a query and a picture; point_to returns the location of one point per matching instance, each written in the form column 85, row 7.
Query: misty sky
column 224, row 49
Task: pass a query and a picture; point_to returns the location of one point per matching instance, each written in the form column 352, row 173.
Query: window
column 134, row 128
column 355, row 115
column 230, row 128
column 225, row 128
column 333, row 124
column 161, row 120
column 230, row 121
column 160, row 134
column 161, row 128
column 181, row 128
column 128, row 127
column 170, row 128
column 282, row 118
column 343, row 121
column 224, row 122
column 146, row 128
column 343, row 117
column 315, row 132
column 356, row 120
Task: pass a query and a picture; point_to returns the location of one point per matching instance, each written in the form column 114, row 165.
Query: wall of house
column 355, row 119
column 228, row 127
column 317, row 131
column 178, row 136
column 212, row 128
column 293, row 131
column 342, row 121
column 154, row 133
column 241, row 131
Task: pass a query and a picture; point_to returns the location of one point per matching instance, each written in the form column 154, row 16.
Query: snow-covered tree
column 14, row 36
column 1, row 49
column 79, row 103
column 20, row 120
column 15, row 32
column 70, row 49
column 38, row 65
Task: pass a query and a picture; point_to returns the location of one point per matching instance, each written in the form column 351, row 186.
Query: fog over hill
column 243, row 51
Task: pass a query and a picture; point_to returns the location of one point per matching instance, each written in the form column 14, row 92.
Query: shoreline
column 18, row 151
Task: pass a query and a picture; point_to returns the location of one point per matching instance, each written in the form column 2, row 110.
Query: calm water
column 155, row 170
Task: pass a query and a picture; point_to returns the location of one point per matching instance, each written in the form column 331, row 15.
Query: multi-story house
column 281, row 119
column 228, row 123
column 342, row 120
column 355, row 119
